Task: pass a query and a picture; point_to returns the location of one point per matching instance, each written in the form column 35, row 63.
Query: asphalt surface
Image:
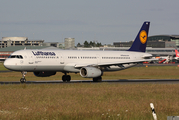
column 121, row 81
column 5, row 71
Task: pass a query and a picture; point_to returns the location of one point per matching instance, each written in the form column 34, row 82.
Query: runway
column 5, row 71
column 121, row 81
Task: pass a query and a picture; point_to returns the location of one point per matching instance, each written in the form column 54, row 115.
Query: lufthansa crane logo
column 143, row 36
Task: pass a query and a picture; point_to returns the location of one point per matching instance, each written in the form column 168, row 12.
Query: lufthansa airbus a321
column 90, row 64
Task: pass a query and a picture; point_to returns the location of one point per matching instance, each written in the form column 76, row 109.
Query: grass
column 2, row 68
column 88, row 101
column 101, row 101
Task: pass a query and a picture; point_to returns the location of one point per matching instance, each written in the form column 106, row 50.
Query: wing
column 113, row 63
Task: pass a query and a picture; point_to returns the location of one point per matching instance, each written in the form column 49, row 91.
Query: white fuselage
column 69, row 60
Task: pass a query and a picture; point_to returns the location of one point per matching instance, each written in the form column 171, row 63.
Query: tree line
column 89, row 44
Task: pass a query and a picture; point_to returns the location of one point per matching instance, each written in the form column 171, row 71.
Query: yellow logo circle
column 143, row 36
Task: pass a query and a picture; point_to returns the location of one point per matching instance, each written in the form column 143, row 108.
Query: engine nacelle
column 44, row 74
column 90, row 72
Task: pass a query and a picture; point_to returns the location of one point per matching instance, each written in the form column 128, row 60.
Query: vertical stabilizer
column 140, row 42
column 176, row 52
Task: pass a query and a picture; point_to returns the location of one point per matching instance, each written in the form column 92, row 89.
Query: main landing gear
column 66, row 78
column 23, row 80
column 97, row 79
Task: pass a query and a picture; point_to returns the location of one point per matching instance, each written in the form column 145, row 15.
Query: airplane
column 177, row 55
column 90, row 64
column 164, row 59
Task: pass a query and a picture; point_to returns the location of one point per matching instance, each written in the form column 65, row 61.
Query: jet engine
column 44, row 74
column 90, row 72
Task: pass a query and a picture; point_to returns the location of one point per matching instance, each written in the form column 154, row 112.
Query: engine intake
column 44, row 74
column 90, row 72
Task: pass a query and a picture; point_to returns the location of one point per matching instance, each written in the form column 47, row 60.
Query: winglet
column 140, row 42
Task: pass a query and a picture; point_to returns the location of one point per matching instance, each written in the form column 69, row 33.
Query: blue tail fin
column 140, row 42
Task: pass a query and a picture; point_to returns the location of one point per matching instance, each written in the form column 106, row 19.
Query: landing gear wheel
column 66, row 78
column 22, row 80
column 98, row 79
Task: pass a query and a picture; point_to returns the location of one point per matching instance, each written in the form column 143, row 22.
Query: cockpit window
column 13, row 56
column 21, row 56
column 16, row 56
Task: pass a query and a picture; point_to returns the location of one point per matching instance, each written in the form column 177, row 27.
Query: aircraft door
column 98, row 58
column 31, row 58
column 61, row 57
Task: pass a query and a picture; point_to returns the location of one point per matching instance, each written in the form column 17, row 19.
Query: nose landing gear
column 23, row 80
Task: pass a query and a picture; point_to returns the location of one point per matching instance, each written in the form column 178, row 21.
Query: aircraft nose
column 7, row 64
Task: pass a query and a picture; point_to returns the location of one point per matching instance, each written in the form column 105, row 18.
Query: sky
column 104, row 21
